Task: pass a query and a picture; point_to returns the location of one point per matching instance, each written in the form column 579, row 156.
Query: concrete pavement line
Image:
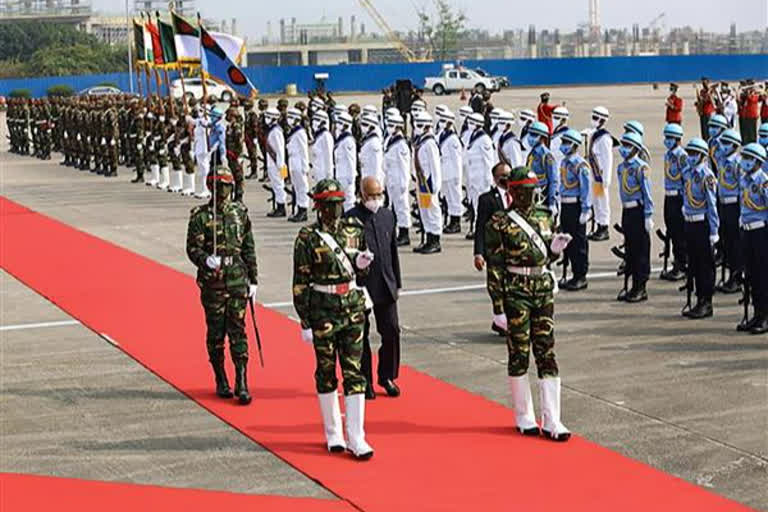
column 40, row 325
column 470, row 287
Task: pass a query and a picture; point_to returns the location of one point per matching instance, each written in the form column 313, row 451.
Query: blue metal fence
column 521, row 72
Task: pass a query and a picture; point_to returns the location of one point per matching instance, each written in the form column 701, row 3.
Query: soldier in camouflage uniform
column 227, row 277
column 251, row 130
column 111, row 135
column 328, row 257
column 235, row 149
column 187, row 153
column 136, row 136
column 175, row 129
column 522, row 238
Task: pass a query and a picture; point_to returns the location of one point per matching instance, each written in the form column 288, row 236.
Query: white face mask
column 374, row 204
column 161, row 119
column 595, row 123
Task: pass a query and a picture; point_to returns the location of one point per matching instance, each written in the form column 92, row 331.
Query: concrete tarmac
column 688, row 398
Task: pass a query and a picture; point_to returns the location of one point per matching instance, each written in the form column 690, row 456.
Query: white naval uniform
column 397, row 169
column 601, row 162
column 451, row 163
column 298, row 164
column 321, row 151
column 200, row 149
column 426, row 156
column 372, row 156
column 345, row 155
column 496, row 138
column 276, row 141
column 512, row 149
column 479, row 158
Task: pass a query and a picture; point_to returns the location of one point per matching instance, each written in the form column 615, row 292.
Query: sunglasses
column 597, row 118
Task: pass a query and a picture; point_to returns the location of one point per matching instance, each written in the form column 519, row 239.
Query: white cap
column 601, row 112
column 476, row 119
column 527, row 115
column 561, row 113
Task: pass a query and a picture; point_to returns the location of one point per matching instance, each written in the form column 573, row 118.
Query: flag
column 149, row 56
column 167, row 41
column 216, row 63
column 138, row 38
column 157, row 48
column 188, row 42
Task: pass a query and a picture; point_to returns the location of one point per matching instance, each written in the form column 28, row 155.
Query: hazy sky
column 494, row 15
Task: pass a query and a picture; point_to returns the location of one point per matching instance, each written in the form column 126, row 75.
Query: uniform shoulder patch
column 711, row 182
column 352, row 222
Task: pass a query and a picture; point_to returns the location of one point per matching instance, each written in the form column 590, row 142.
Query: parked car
column 501, row 80
column 194, row 89
column 100, row 90
column 453, row 79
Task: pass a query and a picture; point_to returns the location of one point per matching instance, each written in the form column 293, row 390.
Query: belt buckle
column 342, row 288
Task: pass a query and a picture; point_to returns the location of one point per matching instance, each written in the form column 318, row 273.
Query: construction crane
column 406, row 52
column 656, row 23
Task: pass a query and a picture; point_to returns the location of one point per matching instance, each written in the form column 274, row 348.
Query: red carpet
column 27, row 493
column 438, row 447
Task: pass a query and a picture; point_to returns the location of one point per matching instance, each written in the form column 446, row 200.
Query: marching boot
column 499, row 324
column 222, row 384
column 702, row 309
column 575, row 284
column 676, row 274
column 175, row 182
column 760, row 325
column 279, row 211
column 154, row 175
column 241, row 382
column 470, row 234
column 733, row 285
column 403, row 239
column 432, row 246
column 355, row 407
column 139, row 177
column 454, row 226
column 549, row 395
column 189, row 184
column 370, row 393
column 746, row 326
column 200, row 187
column 600, row 234
column 301, row 215
column 638, row 293
column 334, row 432
column 112, row 172
column 522, row 403
column 165, row 178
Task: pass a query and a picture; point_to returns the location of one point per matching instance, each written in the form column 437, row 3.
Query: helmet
column 526, row 115
column 328, row 191
column 395, row 120
column 465, row 111
column 321, row 116
column 422, row 119
column 697, row 145
column 731, row 136
column 763, row 131
column 369, row 119
column 522, row 177
column 718, row 121
column 216, row 113
column 339, row 108
column 220, row 175
column 496, row 114
column 344, row 119
column 601, row 112
column 317, row 104
column 755, row 151
column 539, row 128
column 272, row 114
column 633, row 139
column 673, row 130
column 418, row 105
column 391, row 111
column 476, row 119
column 507, row 117
column 440, row 108
column 572, row 136
column 263, row 103
column 370, row 109
column 560, row 114
column 446, row 115
column 293, row 113
column 635, row 126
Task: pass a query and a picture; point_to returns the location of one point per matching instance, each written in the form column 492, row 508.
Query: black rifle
column 271, row 199
column 688, row 287
column 256, row 330
column 745, row 290
column 625, row 271
column 592, row 221
column 665, row 253
column 564, row 278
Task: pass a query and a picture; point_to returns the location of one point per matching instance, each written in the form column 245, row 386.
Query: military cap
column 328, row 191
column 522, row 177
column 220, row 175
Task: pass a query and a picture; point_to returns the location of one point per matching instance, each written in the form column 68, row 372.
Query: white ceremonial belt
column 751, row 226
column 525, row 271
column 569, row 200
column 335, row 289
column 729, row 200
column 132, row 136
column 631, row 204
column 699, row 217
column 672, row 193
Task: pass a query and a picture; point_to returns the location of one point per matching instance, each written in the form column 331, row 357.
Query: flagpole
column 165, row 68
column 129, row 21
column 207, row 132
column 179, row 66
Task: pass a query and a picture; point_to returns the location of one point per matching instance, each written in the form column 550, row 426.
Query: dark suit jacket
column 487, row 204
column 383, row 279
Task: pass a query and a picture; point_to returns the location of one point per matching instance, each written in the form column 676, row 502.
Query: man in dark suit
column 383, row 284
column 489, row 203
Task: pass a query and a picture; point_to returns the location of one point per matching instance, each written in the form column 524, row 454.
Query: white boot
column 189, row 184
column 176, row 177
column 334, row 431
column 355, row 405
column 165, row 175
column 522, row 403
column 549, row 389
column 154, row 175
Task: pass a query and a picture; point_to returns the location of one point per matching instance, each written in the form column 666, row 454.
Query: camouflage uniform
column 111, row 135
column 251, row 129
column 234, row 142
column 224, row 292
column 136, row 137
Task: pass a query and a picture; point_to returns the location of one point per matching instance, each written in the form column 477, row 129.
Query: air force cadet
column 542, row 163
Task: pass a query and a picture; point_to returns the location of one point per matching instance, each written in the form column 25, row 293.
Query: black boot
column 139, row 178
column 470, row 234
column 301, row 215
column 676, row 274
column 576, row 284
column 432, row 246
column 637, row 293
column 454, row 226
column 733, row 285
column 702, row 309
column 760, row 321
column 222, row 384
column 403, row 239
column 600, row 234
column 112, row 172
column 279, row 211
column 241, row 383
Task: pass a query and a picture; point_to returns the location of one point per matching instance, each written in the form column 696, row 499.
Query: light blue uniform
column 542, row 162
column 575, row 177
column 699, row 197
column 635, row 185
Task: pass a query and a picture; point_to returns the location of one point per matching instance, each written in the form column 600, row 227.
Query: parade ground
column 104, row 374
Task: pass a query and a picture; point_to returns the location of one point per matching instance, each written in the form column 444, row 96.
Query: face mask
column 693, row 160
column 726, row 148
column 625, row 151
column 533, row 140
column 713, row 132
column 161, row 119
column 418, row 130
column 330, row 213
column 150, row 116
column 595, row 123
column 763, row 141
column 566, row 148
column 374, row 204
column 670, row 143
column 748, row 164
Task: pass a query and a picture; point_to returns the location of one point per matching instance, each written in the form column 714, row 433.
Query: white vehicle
column 194, row 89
column 458, row 79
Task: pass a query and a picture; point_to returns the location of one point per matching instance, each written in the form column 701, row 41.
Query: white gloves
column 252, row 291
column 191, row 155
column 306, row 336
column 500, row 321
column 364, row 259
column 560, row 242
column 213, row 262
column 139, row 146
column 648, row 224
column 255, row 142
column 584, row 218
column 103, row 141
column 112, row 142
column 713, row 239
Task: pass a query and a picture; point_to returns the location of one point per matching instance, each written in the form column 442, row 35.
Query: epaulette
column 353, row 222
